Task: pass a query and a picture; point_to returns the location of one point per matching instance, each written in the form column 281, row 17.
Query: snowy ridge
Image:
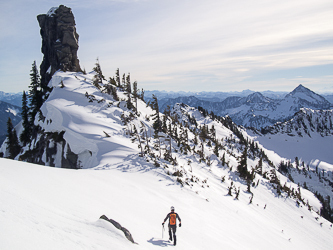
column 307, row 135
column 192, row 163
column 304, row 123
column 307, row 138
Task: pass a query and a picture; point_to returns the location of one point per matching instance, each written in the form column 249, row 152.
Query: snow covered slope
column 224, row 185
column 52, row 208
column 308, row 136
column 80, row 121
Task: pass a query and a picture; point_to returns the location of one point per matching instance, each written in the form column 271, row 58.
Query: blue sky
column 183, row 45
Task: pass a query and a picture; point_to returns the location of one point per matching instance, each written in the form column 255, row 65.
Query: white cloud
column 216, row 41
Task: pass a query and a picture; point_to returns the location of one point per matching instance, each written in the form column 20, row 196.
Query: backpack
column 173, row 217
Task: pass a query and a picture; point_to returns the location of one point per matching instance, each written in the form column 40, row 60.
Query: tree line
column 31, row 104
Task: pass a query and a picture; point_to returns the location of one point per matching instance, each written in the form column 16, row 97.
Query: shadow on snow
column 159, row 242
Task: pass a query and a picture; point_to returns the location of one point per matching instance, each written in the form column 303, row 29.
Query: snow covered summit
column 304, row 97
column 257, row 97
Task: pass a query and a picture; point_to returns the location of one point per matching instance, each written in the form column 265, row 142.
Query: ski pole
column 162, row 230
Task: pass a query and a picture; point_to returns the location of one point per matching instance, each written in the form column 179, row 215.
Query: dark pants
column 172, row 232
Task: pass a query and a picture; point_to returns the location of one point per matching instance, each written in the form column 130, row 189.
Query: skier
column 172, row 216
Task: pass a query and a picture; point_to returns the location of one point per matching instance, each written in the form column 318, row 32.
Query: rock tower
column 59, row 42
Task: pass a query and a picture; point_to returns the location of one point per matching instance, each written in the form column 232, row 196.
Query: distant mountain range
column 10, row 106
column 255, row 109
column 209, row 96
column 246, row 108
column 12, row 98
column 8, row 110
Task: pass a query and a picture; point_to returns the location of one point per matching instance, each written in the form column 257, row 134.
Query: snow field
column 51, row 208
column 306, row 148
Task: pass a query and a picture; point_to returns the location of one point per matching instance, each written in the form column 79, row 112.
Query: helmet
column 172, row 208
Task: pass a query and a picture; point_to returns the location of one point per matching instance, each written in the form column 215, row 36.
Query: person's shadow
column 159, row 242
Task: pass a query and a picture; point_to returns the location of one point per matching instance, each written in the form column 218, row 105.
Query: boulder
column 118, row 226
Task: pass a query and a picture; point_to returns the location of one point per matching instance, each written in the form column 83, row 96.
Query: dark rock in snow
column 118, row 226
column 59, row 42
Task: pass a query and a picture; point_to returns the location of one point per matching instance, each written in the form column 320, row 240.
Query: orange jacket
column 172, row 216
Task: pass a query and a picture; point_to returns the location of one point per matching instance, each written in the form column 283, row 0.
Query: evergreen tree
column 230, row 188
column 10, row 128
column 123, row 82
column 118, row 78
column 259, row 166
column 35, row 93
column 13, row 146
column 98, row 70
column 164, row 124
column 203, row 133
column 223, row 159
column 297, row 163
column 112, row 81
column 242, row 165
column 157, row 125
column 142, row 95
column 110, row 89
column 128, row 84
column 252, row 148
column 129, row 91
column 213, row 132
column 25, row 135
column 114, row 93
column 283, row 168
column 99, row 77
column 135, row 95
column 216, row 148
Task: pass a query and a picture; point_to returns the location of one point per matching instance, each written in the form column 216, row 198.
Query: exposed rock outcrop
column 118, row 226
column 59, row 42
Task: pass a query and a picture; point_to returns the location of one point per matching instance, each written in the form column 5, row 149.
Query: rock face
column 59, row 42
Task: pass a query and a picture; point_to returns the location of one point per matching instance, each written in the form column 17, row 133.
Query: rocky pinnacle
column 59, row 42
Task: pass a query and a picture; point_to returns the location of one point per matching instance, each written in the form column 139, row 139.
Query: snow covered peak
column 256, row 97
column 304, row 94
column 306, row 122
column 300, row 89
